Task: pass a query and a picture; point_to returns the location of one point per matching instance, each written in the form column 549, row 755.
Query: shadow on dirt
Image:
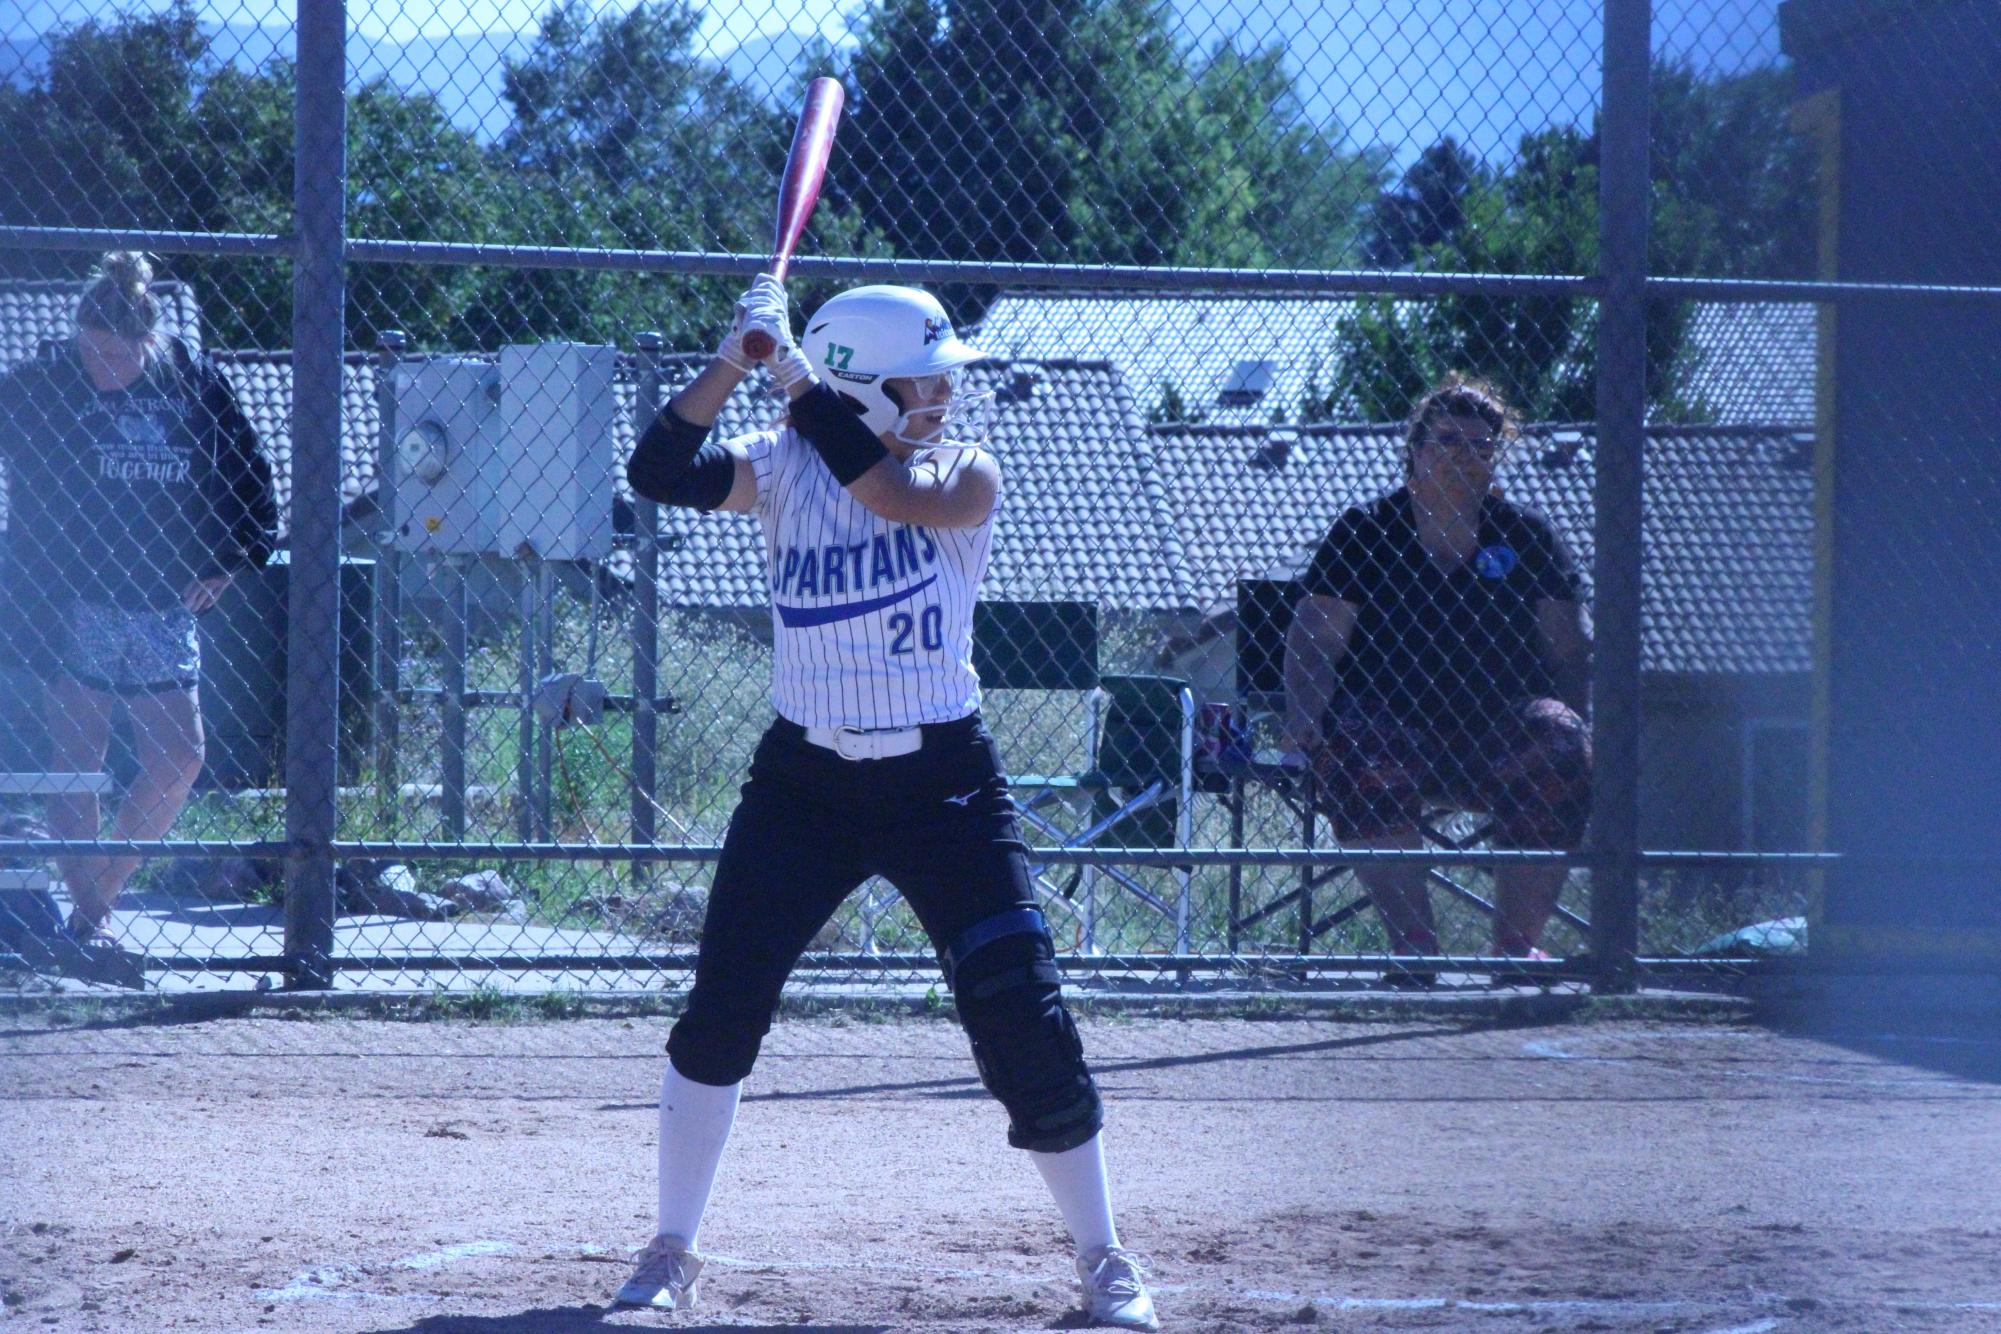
column 1947, row 1020
column 1971, row 1057
column 571, row 1319
column 968, row 1086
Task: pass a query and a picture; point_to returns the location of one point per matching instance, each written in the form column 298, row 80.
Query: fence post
column 529, row 789
column 1623, row 191
column 452, row 741
column 387, row 633
column 545, row 733
column 645, row 611
column 312, row 685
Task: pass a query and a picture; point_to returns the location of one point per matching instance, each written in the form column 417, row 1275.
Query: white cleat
column 1115, row 1289
column 665, row 1275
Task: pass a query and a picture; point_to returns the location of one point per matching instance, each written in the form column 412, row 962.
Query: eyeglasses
column 929, row 391
column 1486, row 446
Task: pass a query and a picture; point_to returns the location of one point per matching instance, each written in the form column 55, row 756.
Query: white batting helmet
column 869, row 335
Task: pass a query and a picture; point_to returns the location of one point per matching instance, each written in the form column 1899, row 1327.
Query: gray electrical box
column 511, row 459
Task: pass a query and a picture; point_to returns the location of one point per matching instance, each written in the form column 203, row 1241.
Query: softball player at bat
column 877, row 505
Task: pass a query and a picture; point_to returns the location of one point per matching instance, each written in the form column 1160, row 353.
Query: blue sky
column 1400, row 73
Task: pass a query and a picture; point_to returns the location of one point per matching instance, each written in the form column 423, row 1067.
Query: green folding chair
column 1137, row 793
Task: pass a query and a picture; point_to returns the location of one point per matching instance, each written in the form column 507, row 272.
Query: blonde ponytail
column 119, row 298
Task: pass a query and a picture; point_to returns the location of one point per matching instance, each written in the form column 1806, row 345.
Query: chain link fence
column 1295, row 679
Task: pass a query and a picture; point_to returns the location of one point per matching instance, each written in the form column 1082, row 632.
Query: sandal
column 88, row 934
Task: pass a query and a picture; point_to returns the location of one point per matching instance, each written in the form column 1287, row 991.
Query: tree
column 625, row 100
column 1083, row 131
column 102, row 137
column 1427, row 208
column 412, row 175
column 1732, row 197
column 1733, row 182
column 1212, row 162
column 957, row 125
column 136, row 124
column 1539, row 219
column 623, row 137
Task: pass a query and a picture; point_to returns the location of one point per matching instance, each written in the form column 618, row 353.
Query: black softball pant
column 940, row 825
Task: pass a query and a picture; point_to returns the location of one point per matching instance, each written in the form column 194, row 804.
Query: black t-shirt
column 1443, row 649
column 124, row 497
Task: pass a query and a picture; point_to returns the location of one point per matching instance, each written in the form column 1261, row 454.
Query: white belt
column 852, row 743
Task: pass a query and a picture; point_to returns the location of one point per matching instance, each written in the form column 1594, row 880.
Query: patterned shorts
column 1530, row 769
column 132, row 652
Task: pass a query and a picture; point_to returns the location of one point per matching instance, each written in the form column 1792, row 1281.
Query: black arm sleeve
column 676, row 463
column 836, row 433
column 245, row 500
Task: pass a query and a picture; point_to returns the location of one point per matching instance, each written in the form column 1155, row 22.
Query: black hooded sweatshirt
column 124, row 497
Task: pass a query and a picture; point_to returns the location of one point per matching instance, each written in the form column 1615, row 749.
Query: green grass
column 487, row 1004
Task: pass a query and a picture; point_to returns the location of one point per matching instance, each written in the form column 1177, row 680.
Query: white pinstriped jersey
column 872, row 621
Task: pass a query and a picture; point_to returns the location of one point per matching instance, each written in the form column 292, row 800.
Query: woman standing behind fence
column 877, row 509
column 1440, row 653
column 136, row 492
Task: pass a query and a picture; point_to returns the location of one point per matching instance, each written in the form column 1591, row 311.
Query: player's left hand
column 763, row 306
column 766, row 308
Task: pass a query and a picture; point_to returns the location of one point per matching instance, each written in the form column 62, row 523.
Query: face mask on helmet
column 863, row 339
column 938, row 412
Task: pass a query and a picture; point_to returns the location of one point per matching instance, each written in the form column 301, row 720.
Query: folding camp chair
column 1137, row 793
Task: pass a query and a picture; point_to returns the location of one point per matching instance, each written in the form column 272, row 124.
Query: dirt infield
column 348, row 1174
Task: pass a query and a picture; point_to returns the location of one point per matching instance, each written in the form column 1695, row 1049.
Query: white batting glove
column 766, row 308
column 730, row 350
column 788, row 366
column 763, row 307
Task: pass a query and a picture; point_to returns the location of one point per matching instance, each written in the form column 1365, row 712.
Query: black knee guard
column 1003, row 975
column 716, row 1041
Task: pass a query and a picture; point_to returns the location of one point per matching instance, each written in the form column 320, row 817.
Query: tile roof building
column 1160, row 522
column 1097, row 506
column 1253, row 360
column 263, row 384
column 1726, row 525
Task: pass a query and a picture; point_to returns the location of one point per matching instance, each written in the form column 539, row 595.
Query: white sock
column 1076, row 1179
column 695, row 1121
